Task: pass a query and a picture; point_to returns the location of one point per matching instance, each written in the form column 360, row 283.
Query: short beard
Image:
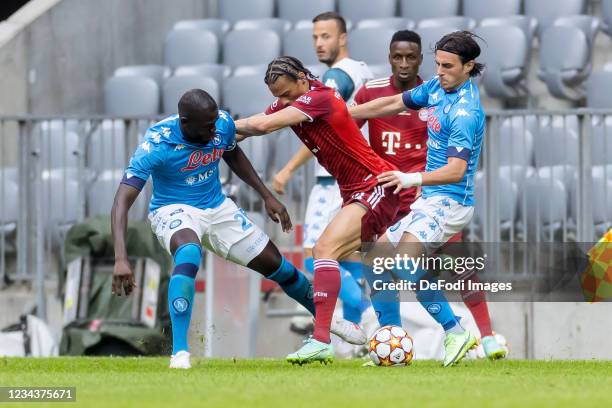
column 332, row 57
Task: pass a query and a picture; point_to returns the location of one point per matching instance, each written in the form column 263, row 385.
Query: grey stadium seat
column 370, row 44
column 60, row 193
column 158, row 73
column 250, row 47
column 251, row 70
column 479, row 9
column 234, row 10
column 546, row 204
column 589, row 25
column 246, row 95
column 429, row 37
column 356, row 10
column 417, row 10
column 526, row 23
column 217, row 71
column 101, row 192
column 515, row 143
column 505, row 57
column 9, row 200
column 190, row 47
column 459, row 22
column 131, row 96
column 217, row 26
column 599, row 86
column 395, row 23
column 556, row 141
column 508, row 201
column 546, row 13
column 299, row 44
column 295, row 10
column 176, row 86
column 277, row 25
column 564, row 61
column 601, row 139
column 601, row 198
column 58, row 144
column 107, row 146
column 606, row 11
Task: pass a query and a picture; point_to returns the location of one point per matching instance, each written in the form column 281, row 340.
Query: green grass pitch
column 147, row 382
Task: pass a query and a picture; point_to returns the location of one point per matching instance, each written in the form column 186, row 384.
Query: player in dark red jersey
column 402, row 140
column 320, row 118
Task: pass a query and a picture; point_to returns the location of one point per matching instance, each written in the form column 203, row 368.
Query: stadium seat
column 234, row 10
column 429, row 37
column 380, row 70
column 546, row 13
column 250, row 47
column 546, row 205
column 606, row 11
column 190, row 47
column 277, row 25
column 479, row 9
column 417, row 10
column 599, row 86
column 356, row 10
column 58, row 144
column 505, row 57
column 508, row 201
column 526, row 23
column 601, row 139
column 176, row 86
column 370, row 44
column 294, row 11
column 556, row 141
column 394, row 23
column 60, row 193
column 158, row 73
column 457, row 22
column 101, row 192
column 246, row 95
column 564, row 61
column 568, row 175
column 299, row 44
column 9, row 200
column 108, row 146
column 216, row 71
column 131, row 96
column 257, row 150
column 515, row 143
column 251, row 70
column 215, row 25
column 588, row 24
column 601, row 198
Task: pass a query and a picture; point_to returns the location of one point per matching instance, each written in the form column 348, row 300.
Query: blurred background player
column 402, row 140
column 346, row 75
column 319, row 117
column 188, row 208
column 456, row 125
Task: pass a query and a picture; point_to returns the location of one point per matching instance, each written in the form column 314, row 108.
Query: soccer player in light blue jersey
column 188, row 209
column 456, row 126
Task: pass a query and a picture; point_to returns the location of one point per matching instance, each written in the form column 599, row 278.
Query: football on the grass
column 391, row 346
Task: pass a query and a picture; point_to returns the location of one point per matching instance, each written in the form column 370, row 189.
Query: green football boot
column 312, row 350
column 492, row 349
column 456, row 345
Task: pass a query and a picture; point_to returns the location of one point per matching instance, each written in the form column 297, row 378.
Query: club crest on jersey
column 217, row 140
column 198, row 158
column 423, row 114
column 432, row 121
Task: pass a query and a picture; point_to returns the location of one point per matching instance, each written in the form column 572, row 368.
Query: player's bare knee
column 182, row 237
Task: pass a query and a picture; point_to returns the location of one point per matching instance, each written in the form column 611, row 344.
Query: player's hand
column 399, row 180
column 123, row 278
column 280, row 180
column 277, row 212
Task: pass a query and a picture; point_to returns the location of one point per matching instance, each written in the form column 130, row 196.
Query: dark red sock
column 477, row 303
column 326, row 287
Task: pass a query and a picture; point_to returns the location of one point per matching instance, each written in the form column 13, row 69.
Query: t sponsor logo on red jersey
column 304, row 99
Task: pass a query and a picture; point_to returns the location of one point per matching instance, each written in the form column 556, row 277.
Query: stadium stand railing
column 545, row 176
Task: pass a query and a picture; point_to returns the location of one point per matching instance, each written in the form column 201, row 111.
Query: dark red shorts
column 382, row 207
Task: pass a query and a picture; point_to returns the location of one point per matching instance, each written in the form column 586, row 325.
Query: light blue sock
column 295, row 284
column 385, row 302
column 434, row 301
column 356, row 270
column 181, row 291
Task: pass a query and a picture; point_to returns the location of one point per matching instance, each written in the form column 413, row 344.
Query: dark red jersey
column 334, row 138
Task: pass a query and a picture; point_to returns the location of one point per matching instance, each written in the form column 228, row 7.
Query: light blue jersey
column 455, row 127
column 182, row 172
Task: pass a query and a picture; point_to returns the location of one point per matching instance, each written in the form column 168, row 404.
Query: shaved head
column 198, row 113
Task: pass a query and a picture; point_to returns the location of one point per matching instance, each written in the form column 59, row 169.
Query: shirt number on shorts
column 243, row 219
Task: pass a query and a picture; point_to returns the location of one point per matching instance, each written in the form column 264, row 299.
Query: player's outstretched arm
column 123, row 278
column 242, row 167
column 261, row 124
column 280, row 179
column 385, row 106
